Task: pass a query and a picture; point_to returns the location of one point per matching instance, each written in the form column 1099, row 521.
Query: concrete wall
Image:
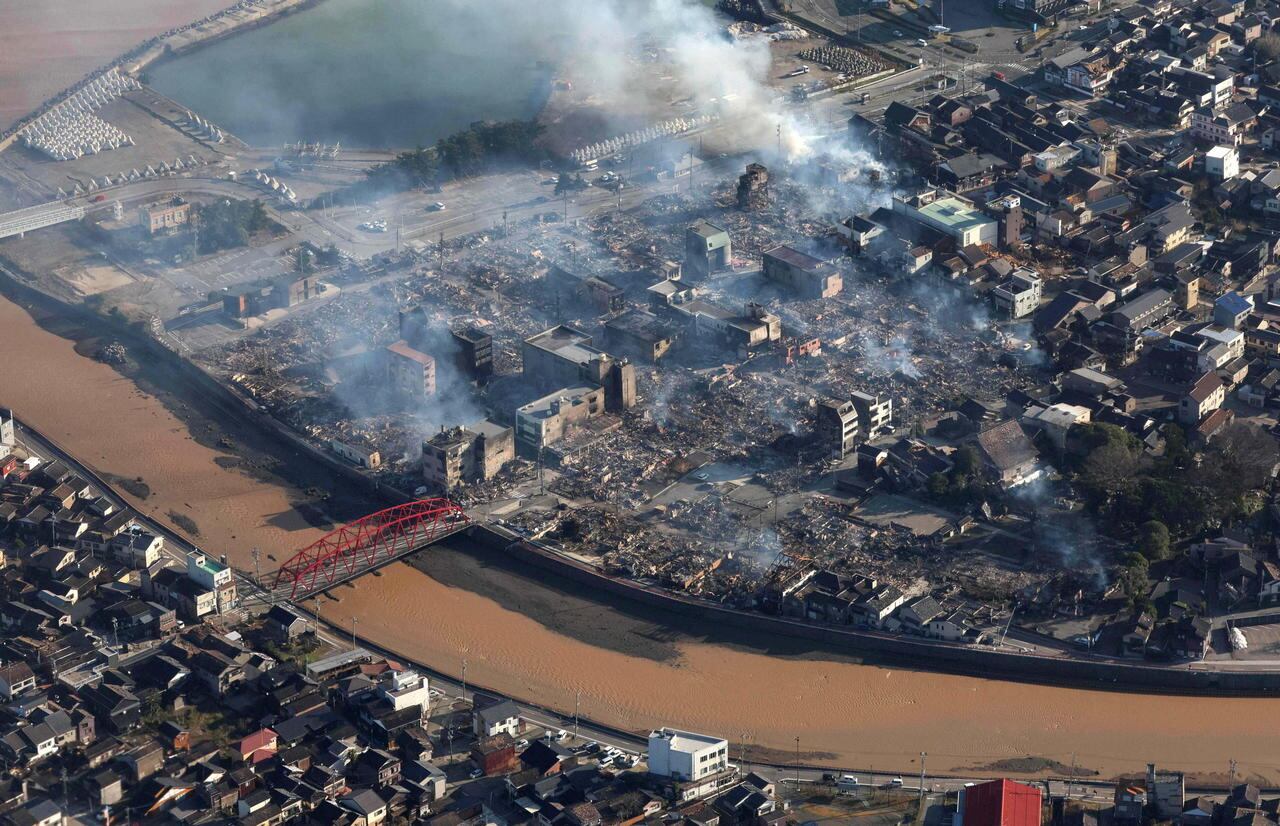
column 904, row 650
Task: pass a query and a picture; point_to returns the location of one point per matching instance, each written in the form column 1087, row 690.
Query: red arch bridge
column 367, row 543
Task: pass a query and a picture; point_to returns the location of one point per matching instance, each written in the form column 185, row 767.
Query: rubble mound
column 113, row 353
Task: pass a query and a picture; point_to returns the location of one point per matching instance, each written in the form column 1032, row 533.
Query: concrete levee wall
column 913, row 652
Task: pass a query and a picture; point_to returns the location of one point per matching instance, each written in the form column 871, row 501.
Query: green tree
column 1134, row 577
column 1175, row 445
column 1153, row 540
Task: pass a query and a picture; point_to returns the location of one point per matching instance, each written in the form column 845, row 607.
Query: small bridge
column 368, row 543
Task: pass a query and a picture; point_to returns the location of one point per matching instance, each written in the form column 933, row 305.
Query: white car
column 436, row 207
column 522, row 743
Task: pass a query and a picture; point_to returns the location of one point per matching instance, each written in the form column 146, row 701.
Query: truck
column 847, row 784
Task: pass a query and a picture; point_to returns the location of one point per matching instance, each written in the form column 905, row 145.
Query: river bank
column 523, row 636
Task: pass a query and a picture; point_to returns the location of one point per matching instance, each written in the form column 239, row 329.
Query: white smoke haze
column 598, row 40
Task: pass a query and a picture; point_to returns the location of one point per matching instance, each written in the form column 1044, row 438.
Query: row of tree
column 478, row 149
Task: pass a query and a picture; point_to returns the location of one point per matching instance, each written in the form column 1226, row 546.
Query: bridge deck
column 36, row 217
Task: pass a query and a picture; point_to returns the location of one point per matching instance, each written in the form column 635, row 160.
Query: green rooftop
column 954, row 213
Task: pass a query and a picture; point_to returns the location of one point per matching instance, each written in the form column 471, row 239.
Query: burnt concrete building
column 837, row 426
column 475, row 353
column 571, row 288
column 291, row 291
column 547, row 420
column 707, row 250
column 462, row 455
column 753, row 188
column 248, row 300
column 802, row 274
column 563, row 357
column 410, row 373
column 754, row 328
column 875, row 413
column 639, row 334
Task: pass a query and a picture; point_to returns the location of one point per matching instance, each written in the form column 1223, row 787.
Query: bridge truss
column 367, row 543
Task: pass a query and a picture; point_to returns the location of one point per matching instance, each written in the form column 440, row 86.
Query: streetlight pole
column 920, row 799
column 797, row 762
column 577, row 705
column 354, row 620
column 464, row 679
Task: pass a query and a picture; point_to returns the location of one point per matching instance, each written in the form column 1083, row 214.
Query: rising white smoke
column 600, row 41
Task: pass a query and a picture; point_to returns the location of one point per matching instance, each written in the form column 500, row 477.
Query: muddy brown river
column 523, row 635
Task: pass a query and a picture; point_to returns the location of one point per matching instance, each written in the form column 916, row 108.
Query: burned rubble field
column 923, row 346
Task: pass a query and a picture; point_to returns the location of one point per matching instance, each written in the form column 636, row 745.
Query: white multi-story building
column 405, row 689
column 686, row 756
column 214, row 576
column 137, row 547
column 1222, row 162
column 8, row 438
column 1020, row 295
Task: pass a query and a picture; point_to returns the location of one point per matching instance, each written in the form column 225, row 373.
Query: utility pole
column 1071, row 779
column 441, row 252
column 797, row 762
column 577, row 705
column 779, row 130
column 464, row 679
column 354, row 620
column 566, row 206
column 115, row 631
column 920, row 800
column 257, row 572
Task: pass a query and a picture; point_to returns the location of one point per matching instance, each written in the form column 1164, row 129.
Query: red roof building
column 259, row 746
column 1000, row 803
